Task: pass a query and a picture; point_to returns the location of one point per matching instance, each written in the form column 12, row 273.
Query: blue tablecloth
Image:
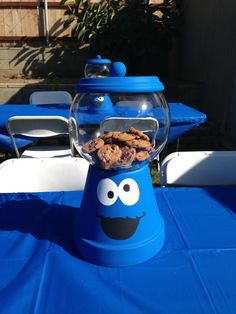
column 183, row 119
column 195, row 272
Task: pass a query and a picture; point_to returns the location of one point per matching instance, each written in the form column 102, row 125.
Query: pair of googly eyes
column 127, row 191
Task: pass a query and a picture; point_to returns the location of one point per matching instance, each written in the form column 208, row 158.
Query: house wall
column 64, row 60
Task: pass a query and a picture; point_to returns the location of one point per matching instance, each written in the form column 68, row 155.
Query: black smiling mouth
column 119, row 228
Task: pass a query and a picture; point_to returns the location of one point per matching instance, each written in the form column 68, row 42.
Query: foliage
column 154, row 172
column 134, row 31
column 89, row 17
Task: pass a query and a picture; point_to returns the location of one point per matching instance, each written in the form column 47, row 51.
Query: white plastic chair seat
column 50, row 97
column 43, row 174
column 46, row 152
column 199, row 168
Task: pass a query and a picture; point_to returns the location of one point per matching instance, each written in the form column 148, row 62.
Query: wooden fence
column 26, row 19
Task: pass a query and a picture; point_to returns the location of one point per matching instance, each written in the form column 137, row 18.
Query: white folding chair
column 50, row 97
column 199, row 168
column 43, row 174
column 39, row 127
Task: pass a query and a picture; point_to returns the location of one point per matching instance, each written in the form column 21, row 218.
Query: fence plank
column 8, row 22
column 29, row 22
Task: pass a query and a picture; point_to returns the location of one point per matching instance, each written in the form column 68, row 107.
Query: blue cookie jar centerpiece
column 119, row 223
column 94, row 103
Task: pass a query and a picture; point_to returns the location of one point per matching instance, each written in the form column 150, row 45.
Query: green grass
column 155, row 175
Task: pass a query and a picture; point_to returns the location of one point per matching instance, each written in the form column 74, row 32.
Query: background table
column 183, row 119
column 195, row 272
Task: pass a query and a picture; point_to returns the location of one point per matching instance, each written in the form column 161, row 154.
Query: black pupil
column 126, row 188
column 110, row 194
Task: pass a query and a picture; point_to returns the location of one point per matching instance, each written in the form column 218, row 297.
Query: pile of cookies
column 116, row 149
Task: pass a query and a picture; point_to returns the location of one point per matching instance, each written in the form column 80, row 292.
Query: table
column 195, row 272
column 183, row 119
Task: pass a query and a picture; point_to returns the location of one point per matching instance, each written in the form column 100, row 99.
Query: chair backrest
column 36, row 127
column 147, row 125
column 50, row 97
column 199, row 168
column 43, row 174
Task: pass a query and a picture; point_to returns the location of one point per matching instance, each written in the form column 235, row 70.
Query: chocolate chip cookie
column 127, row 156
column 138, row 143
column 123, row 137
column 138, row 134
column 92, row 145
column 142, row 155
column 109, row 134
column 150, row 149
column 108, row 155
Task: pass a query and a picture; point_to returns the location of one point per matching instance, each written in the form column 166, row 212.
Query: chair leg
column 177, row 144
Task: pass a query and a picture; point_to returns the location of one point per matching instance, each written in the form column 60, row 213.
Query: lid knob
column 118, row 69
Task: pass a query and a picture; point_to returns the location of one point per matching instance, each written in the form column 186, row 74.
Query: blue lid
column 98, row 60
column 127, row 84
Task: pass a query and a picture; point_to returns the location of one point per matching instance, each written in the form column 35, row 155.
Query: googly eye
column 129, row 192
column 99, row 98
column 107, row 192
